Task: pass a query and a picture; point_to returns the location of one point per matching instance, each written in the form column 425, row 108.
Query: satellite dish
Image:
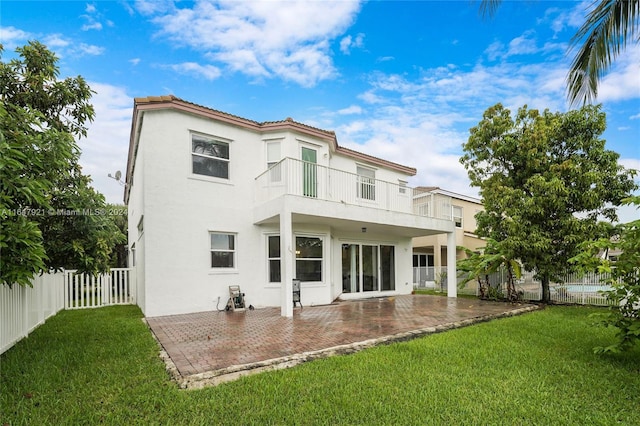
column 118, row 175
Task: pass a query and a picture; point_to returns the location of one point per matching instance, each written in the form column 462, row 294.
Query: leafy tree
column 545, row 179
column 80, row 233
column 41, row 117
column 623, row 275
column 609, row 25
column 119, row 218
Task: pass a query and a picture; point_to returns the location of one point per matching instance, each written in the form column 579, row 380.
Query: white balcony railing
column 304, row 179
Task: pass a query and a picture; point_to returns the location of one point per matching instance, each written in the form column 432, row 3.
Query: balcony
column 315, row 182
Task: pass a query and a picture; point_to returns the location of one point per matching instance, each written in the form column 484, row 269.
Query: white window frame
column 275, row 175
column 402, row 186
column 366, row 189
column 233, row 250
column 215, row 141
column 322, row 259
column 269, row 259
column 454, row 216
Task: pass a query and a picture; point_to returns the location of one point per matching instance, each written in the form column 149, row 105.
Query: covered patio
column 208, row 348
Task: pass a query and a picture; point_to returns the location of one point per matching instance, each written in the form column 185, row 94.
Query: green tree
column 82, row 233
column 41, row 117
column 119, row 218
column 623, row 275
column 545, row 179
column 608, row 27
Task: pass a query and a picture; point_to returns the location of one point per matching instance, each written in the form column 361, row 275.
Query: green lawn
column 101, row 367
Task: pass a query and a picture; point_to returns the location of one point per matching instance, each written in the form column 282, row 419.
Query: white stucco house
column 216, row 200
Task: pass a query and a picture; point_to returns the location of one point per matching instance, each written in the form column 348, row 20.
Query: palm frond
column 489, row 7
column 605, row 33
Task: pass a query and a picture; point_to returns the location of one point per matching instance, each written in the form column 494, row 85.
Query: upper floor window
column 366, row 183
column 402, row 186
column 456, row 212
column 223, row 250
column 273, row 157
column 209, row 157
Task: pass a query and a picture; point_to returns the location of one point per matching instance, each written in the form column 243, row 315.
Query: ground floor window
column 309, row 259
column 223, row 250
column 368, row 268
column 273, row 254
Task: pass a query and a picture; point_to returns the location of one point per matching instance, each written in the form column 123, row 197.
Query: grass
column 100, row 366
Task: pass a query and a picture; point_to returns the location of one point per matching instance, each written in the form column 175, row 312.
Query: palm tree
column 604, row 34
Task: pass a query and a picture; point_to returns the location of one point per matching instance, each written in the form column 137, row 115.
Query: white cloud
column 56, row 41
column 12, row 37
column 370, row 97
column 630, row 163
column 523, row 45
column 573, row 18
column 151, row 7
column 92, row 26
column 89, row 49
column 423, row 121
column 92, row 18
column 623, row 81
column 290, row 40
column 208, row 72
column 105, row 148
column 635, row 117
column 495, row 50
column 348, row 43
column 134, row 61
column 353, row 109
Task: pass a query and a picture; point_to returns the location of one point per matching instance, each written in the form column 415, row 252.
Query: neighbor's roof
column 172, row 102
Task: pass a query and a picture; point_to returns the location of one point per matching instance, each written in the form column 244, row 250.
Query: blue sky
column 404, row 81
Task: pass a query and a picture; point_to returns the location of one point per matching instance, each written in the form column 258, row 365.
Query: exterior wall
column 135, row 213
column 187, row 207
column 350, row 165
column 465, row 236
column 180, row 209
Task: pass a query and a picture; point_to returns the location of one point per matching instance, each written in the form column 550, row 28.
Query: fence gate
column 92, row 291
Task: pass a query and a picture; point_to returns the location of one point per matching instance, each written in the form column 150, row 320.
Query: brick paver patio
column 214, row 343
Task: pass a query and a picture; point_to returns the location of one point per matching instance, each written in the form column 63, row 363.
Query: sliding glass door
column 367, row 268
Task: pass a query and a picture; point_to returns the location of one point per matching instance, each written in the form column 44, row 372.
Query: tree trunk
column 510, row 283
column 546, row 294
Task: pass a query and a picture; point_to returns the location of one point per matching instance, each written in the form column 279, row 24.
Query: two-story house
column 431, row 253
column 216, row 200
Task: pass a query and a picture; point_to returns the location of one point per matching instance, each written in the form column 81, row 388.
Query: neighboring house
column 430, row 253
column 216, row 200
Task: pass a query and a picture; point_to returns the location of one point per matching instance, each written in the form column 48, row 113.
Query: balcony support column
column 452, row 279
column 287, row 262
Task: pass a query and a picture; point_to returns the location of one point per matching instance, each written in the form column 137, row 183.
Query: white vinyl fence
column 88, row 291
column 22, row 309
column 584, row 289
